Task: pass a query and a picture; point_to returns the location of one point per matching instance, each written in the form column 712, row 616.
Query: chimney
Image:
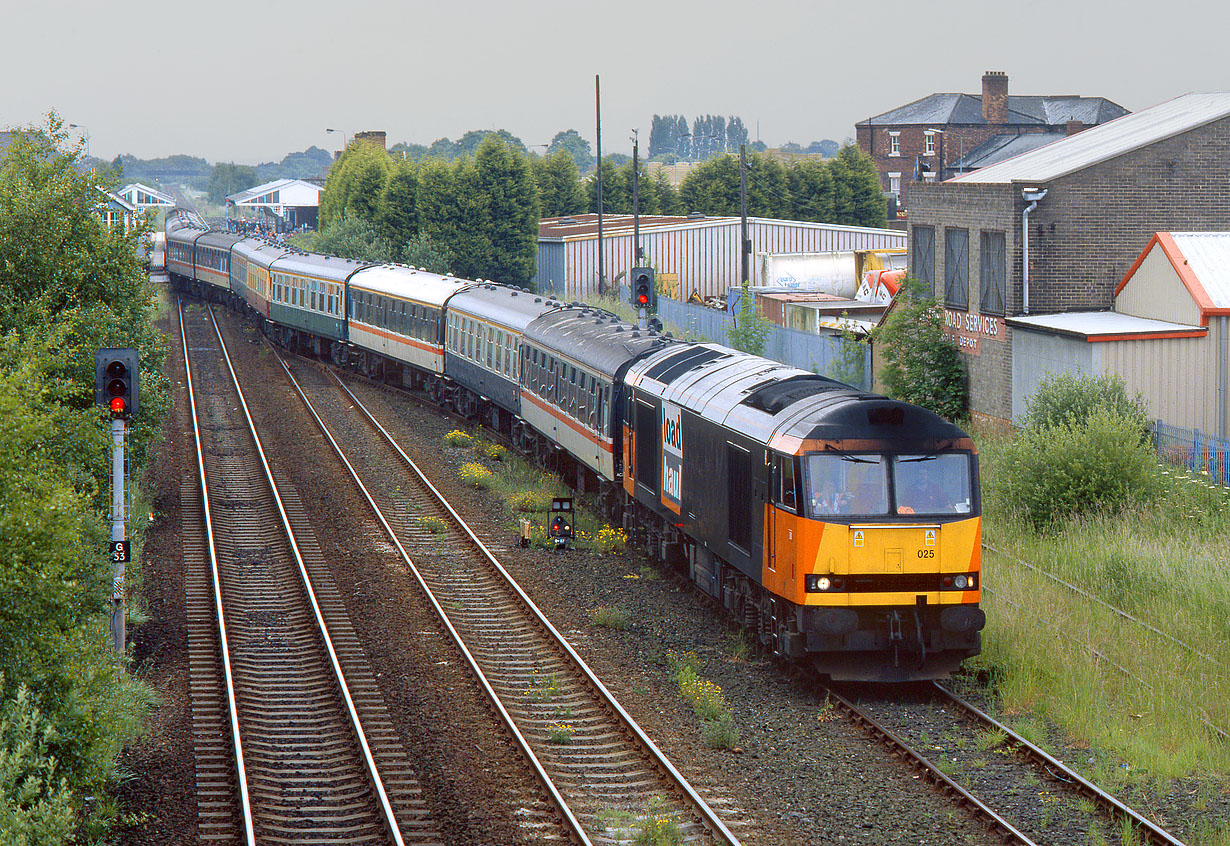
column 375, row 137
column 995, row 97
column 1073, row 126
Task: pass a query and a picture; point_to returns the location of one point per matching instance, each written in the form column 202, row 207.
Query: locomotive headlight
column 814, row 583
column 959, row 582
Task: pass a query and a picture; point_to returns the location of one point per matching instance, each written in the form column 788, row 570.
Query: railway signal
column 561, row 530
column 115, row 381
column 644, row 294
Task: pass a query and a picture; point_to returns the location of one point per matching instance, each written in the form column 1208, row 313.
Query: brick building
column 1090, row 201
column 920, row 142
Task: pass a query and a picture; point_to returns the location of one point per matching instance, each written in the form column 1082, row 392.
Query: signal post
column 115, row 388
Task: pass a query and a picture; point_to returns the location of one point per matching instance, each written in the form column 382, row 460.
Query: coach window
column 312, row 295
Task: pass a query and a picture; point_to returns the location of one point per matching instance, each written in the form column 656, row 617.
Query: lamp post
column 85, row 131
column 345, row 138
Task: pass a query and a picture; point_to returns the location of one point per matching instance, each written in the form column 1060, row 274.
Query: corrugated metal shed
column 703, row 252
column 1100, row 143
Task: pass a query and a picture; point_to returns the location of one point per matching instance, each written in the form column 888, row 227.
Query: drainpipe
column 1221, row 376
column 1031, row 196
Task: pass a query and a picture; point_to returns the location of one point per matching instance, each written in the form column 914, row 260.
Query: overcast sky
column 251, row 81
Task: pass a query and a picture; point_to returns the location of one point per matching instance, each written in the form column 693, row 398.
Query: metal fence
column 804, row 350
column 1193, row 450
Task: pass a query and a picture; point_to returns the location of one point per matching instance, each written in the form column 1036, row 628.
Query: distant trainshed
column 692, row 255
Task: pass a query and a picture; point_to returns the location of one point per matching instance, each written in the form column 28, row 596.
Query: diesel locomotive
column 842, row 527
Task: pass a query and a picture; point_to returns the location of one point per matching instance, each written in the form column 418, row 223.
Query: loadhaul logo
column 672, row 456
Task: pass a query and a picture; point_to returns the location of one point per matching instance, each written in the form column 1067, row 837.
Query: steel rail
column 700, row 807
column 932, row 772
column 1116, row 808
column 240, row 772
column 539, row 771
column 386, row 808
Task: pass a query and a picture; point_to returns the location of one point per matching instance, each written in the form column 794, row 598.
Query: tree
column 397, row 217
column 616, row 193
column 750, row 330
column 421, row 252
column 470, row 241
column 858, row 199
column 353, row 237
column 811, row 192
column 439, row 215
column 574, row 145
column 355, row 183
column 511, row 212
column 712, row 188
column 229, row 178
column 768, row 194
column 920, row 363
column 559, row 185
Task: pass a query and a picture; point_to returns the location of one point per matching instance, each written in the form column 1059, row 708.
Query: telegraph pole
column 598, row 120
column 636, row 202
column 746, row 246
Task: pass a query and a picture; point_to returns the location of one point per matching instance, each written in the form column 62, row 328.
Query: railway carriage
column 212, row 264
column 841, row 526
column 572, row 372
column 307, row 303
column 396, row 318
column 482, row 349
column 181, row 253
column 251, row 259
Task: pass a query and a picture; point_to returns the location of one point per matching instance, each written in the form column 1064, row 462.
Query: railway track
column 1022, row 793
column 293, row 742
column 607, row 777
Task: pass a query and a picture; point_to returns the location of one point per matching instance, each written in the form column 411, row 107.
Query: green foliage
column 1083, row 452
column 510, row 212
column 750, row 330
column 559, row 185
column 397, row 212
column 858, row 199
column 712, row 188
column 420, row 251
column 811, row 192
column 356, row 183
column 353, row 237
column 475, row 475
column 571, row 144
column 610, row 618
column 920, row 363
column 616, row 190
column 229, row 178
column 37, row 806
column 1067, row 398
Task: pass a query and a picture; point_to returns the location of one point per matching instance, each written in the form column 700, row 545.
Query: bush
column 458, row 438
column 1096, row 464
column 1065, row 398
column 529, row 501
column 36, row 803
column 475, row 475
column 921, row 363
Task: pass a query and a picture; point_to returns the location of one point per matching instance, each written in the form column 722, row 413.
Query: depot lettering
column 975, row 324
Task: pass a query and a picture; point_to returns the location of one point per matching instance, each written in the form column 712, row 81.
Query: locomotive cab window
column 869, row 485
column 786, row 492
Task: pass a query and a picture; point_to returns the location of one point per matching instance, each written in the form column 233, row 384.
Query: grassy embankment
column 1147, row 691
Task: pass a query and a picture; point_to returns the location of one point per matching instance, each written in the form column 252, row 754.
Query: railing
column 1193, row 450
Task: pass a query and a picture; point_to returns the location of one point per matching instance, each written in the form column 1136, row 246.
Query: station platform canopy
column 143, row 197
column 295, row 202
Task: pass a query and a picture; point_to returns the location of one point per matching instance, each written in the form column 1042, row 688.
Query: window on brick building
column 894, row 183
column 922, row 256
column 929, row 144
column 894, row 143
column 992, row 274
column 956, row 268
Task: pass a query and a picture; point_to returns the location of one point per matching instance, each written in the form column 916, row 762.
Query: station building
column 1023, row 252
column 290, row 203
column 142, row 197
column 695, row 257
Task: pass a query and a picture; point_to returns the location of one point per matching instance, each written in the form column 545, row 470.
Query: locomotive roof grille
column 666, row 370
column 773, row 396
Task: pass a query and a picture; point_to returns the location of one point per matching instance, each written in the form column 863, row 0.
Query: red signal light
column 642, row 300
column 118, row 406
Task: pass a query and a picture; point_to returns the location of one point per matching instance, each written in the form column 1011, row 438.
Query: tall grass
column 1105, row 680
